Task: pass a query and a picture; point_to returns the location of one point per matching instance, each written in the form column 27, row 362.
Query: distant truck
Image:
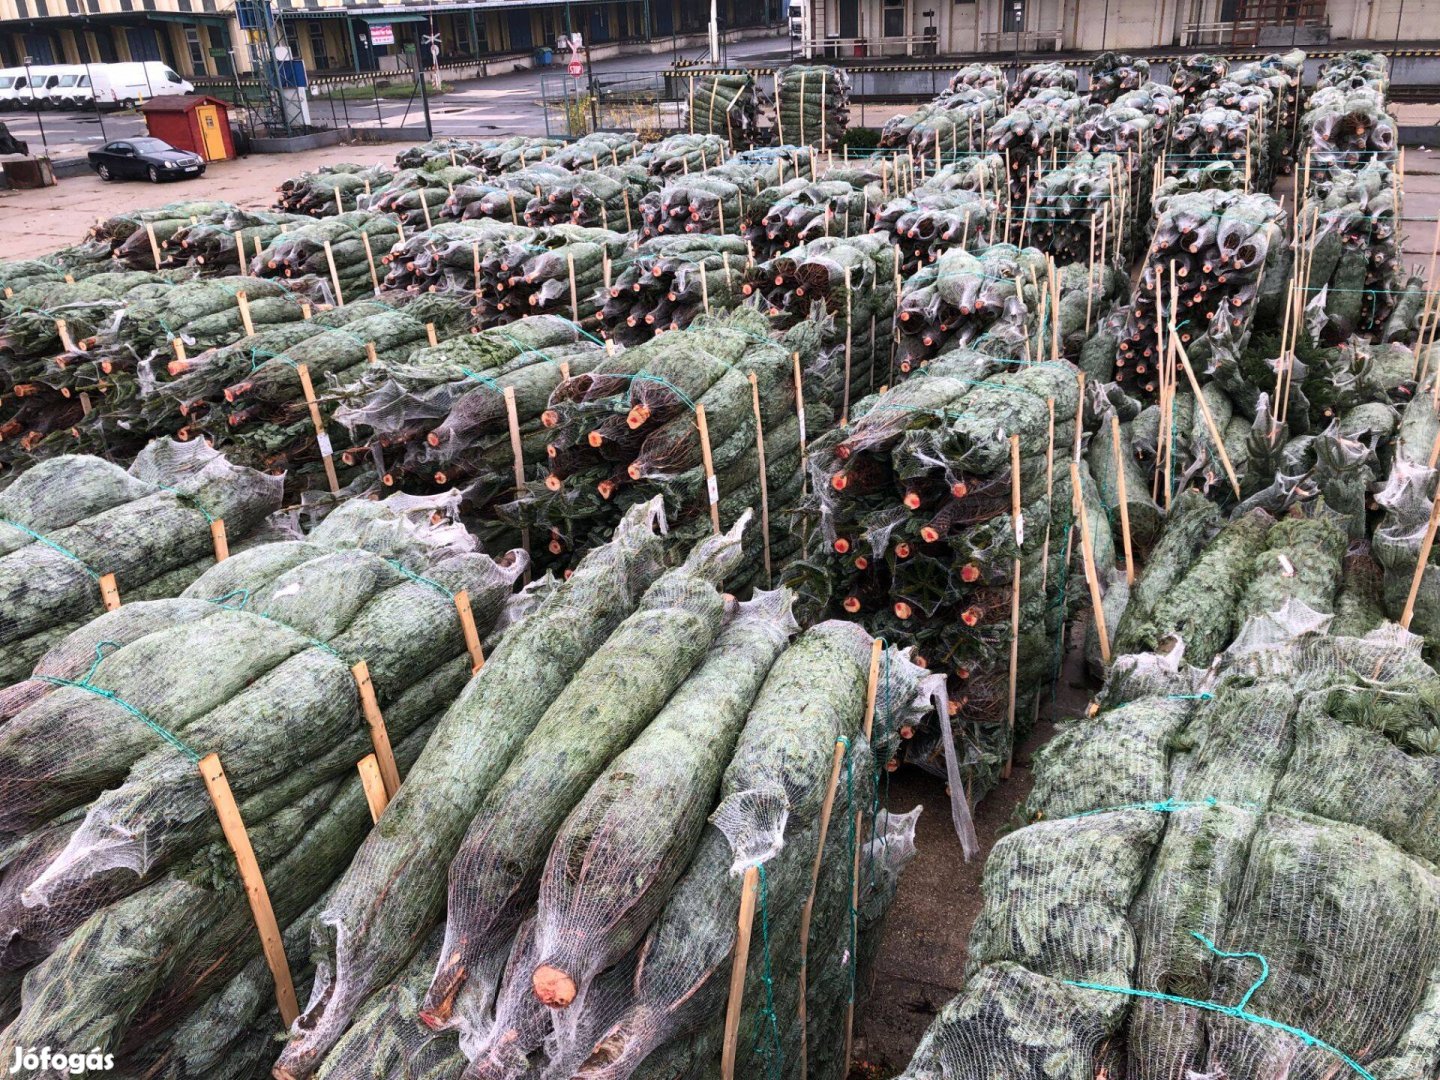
column 129, row 84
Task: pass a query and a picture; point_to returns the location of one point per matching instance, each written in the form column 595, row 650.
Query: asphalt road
column 502, row 104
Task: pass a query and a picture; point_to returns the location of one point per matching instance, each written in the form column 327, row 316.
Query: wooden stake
column 425, row 209
column 1426, row 546
column 219, row 541
column 749, row 891
column 467, row 627
column 334, row 275
column 243, row 302
column 430, row 334
column 320, row 437
column 516, row 450
column 574, row 298
column 240, row 250
column 1087, row 552
column 1124, row 499
column 764, row 479
column 63, row 333
column 1205, row 412
column 370, row 258
column 807, row 911
column 374, row 786
column 849, row 346
column 800, row 413
column 375, row 720
column 258, row 896
column 154, row 244
column 712, row 489
column 109, row 592
column 1019, row 535
column 873, row 686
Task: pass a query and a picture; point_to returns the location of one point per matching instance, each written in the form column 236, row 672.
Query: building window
column 1013, row 12
column 894, row 18
column 196, row 47
column 461, row 25
column 317, row 46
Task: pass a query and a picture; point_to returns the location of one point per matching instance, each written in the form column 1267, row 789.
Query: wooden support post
column 256, row 894
column 374, row 785
column 242, row 301
column 1426, row 546
column 326, row 453
column 800, row 413
column 1123, row 496
column 430, row 334
column 375, row 721
column 1087, row 552
column 370, row 259
column 827, row 809
column 371, row 356
column 109, row 592
column 849, row 349
column 425, row 209
column 712, row 490
column 764, row 480
column 749, row 891
column 515, row 449
column 1205, row 412
column 240, row 257
column 334, row 275
column 876, row 648
column 1019, row 535
column 219, row 541
column 154, row 244
column 62, row 331
column 467, row 627
column 574, row 297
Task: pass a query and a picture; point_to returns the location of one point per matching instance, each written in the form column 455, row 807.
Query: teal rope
column 1240, row 1011
column 244, row 596
column 774, row 1054
column 85, row 684
column 421, row 578
column 39, row 538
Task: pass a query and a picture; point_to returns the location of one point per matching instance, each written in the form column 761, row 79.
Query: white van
column 9, row 87
column 73, row 90
column 129, row 84
column 37, row 83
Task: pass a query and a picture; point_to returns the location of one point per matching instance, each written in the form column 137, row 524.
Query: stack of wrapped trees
column 126, row 235
column 416, row 196
column 1351, row 240
column 563, row 269
column 81, row 535
column 1032, row 135
column 123, row 906
column 716, row 200
column 1001, row 300
column 1411, row 574
column 597, row 149
column 1038, row 77
column 446, row 258
column 1248, row 118
column 1345, row 122
column 724, row 103
column 960, row 206
column 607, row 726
column 1216, row 860
column 838, row 203
column 492, row 157
column 219, row 244
column 505, row 197
column 1136, row 128
column 940, row 518
column 48, row 386
column 1193, row 75
column 678, row 416
column 1217, row 257
column 669, row 280
column 956, row 120
column 812, row 106
column 339, row 253
column 846, row 287
column 604, row 198
column 331, row 189
column 1081, row 210
column 1113, row 74
column 440, row 417
column 685, row 153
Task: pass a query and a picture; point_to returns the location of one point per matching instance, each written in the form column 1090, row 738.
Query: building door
column 142, row 42
column 213, row 142
column 849, row 18
column 39, row 49
column 520, row 39
column 1013, row 13
column 663, row 16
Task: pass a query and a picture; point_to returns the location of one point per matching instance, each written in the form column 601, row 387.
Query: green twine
column 39, row 538
column 1239, row 1011
column 85, row 684
column 774, row 1054
column 244, row 596
column 421, row 578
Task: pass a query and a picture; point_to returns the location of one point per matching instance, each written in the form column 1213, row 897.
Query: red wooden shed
column 195, row 122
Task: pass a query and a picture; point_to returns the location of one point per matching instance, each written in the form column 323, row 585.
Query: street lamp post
column 35, row 100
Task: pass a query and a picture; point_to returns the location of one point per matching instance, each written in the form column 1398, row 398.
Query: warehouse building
column 201, row 37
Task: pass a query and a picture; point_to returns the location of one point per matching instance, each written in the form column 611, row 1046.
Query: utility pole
column 424, row 90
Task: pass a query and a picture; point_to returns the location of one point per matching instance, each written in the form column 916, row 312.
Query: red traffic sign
column 576, row 68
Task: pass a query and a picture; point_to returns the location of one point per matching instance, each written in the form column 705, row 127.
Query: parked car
column 145, row 159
